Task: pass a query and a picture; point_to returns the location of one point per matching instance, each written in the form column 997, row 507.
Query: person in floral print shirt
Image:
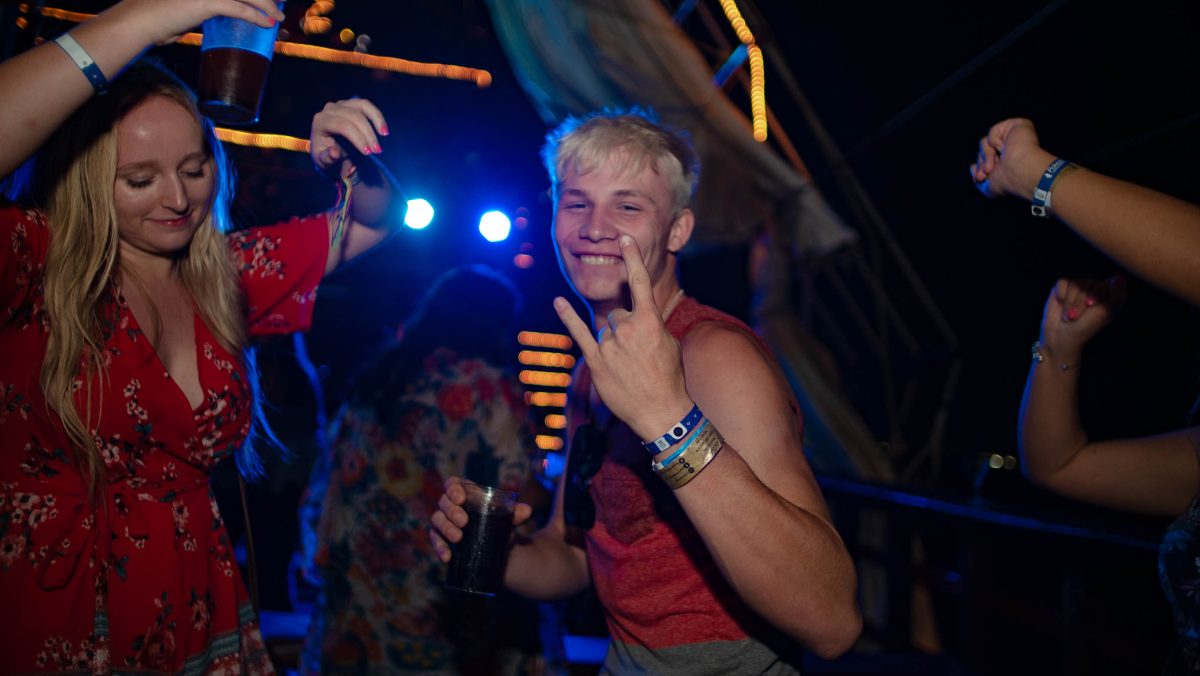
column 124, row 312
column 438, row 403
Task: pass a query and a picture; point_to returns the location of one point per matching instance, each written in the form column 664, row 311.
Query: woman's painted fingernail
column 383, row 129
column 378, row 149
column 366, row 150
column 1091, row 301
column 1073, row 313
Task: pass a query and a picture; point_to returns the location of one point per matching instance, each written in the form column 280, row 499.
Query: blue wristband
column 85, row 62
column 660, row 466
column 676, row 433
column 1041, row 194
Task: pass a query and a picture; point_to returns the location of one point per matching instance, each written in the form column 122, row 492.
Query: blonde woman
column 124, row 313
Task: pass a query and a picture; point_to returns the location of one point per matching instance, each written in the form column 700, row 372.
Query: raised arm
column 30, row 111
column 1150, row 475
column 756, row 505
column 1153, row 235
column 345, row 143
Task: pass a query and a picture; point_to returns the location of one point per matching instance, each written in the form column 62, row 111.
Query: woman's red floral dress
column 143, row 579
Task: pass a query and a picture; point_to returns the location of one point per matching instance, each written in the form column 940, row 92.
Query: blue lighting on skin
column 494, row 226
column 419, row 214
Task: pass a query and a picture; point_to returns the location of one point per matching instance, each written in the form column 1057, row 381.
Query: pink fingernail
column 1091, row 301
column 378, row 149
column 383, row 130
column 366, row 150
column 1073, row 313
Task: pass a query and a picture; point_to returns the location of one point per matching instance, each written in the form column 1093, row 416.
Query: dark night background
column 905, row 90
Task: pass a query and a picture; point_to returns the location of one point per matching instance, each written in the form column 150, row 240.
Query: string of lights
column 555, row 421
column 480, row 77
column 758, row 96
column 270, row 141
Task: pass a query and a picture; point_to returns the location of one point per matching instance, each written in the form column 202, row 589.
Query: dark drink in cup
column 234, row 58
column 231, row 84
column 477, row 561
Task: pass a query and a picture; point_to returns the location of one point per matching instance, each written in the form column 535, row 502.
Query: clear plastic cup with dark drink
column 477, row 560
column 235, row 56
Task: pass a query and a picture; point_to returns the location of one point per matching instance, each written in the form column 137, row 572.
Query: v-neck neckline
column 123, row 304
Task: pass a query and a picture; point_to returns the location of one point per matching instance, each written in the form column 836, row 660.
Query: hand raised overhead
column 351, row 123
column 636, row 364
column 1076, row 310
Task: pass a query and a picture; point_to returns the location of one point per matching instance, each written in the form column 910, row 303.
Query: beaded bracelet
column 700, row 453
column 1038, row 357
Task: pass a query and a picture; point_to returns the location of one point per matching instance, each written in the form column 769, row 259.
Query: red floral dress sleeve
column 281, row 266
column 23, row 243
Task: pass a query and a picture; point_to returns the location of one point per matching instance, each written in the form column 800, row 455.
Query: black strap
column 251, row 564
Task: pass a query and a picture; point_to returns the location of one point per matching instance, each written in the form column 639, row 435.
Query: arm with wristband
column 345, row 146
column 95, row 52
column 753, row 499
column 1153, row 235
column 1155, row 475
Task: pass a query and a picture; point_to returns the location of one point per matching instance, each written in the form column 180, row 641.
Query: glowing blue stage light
column 494, row 226
column 419, row 214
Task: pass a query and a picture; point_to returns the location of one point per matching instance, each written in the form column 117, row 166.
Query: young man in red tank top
column 704, row 531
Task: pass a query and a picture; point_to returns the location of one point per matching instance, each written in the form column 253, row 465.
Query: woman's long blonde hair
column 73, row 182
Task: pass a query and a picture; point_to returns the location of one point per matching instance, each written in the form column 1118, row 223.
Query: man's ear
column 681, row 230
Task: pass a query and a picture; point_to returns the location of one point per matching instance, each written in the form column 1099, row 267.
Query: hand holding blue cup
column 235, row 56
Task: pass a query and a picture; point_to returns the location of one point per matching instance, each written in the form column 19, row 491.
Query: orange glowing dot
column 346, row 36
column 546, row 399
column 523, row 261
column 316, row 25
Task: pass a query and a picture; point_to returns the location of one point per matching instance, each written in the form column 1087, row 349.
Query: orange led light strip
column 552, row 340
column 278, row 141
column 546, row 399
column 550, row 359
column 481, row 78
column 544, row 378
column 758, row 96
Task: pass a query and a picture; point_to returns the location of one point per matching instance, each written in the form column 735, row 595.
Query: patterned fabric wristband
column 690, row 464
column 676, row 433
column 85, row 62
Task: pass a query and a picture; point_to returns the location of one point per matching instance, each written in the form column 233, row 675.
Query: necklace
column 670, row 307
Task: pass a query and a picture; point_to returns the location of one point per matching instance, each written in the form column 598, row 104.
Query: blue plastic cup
column 235, row 56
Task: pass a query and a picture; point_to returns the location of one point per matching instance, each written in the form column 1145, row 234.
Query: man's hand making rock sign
column 635, row 363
